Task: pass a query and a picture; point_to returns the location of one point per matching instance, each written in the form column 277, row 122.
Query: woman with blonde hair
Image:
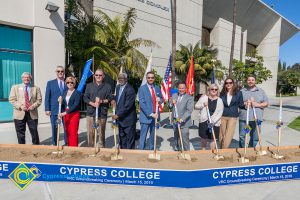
column 215, row 108
column 70, row 111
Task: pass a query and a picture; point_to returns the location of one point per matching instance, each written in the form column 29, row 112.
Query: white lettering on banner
column 83, row 171
column 135, row 174
column 4, row 167
column 278, row 170
column 252, row 172
column 234, row 173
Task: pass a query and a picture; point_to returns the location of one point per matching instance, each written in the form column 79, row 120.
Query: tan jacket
column 203, row 113
column 17, row 99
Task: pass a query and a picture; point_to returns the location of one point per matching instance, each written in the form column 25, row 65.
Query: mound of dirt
column 139, row 159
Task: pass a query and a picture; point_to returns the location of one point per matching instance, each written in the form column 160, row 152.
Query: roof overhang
column 252, row 15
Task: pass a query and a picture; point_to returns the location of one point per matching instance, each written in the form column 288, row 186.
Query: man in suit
column 54, row 89
column 184, row 103
column 125, row 112
column 149, row 96
column 26, row 98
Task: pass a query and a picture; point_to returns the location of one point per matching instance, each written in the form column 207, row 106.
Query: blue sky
column 290, row 9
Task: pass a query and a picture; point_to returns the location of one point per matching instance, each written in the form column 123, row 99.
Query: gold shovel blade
column 115, row 157
column 243, row 160
column 277, row 156
column 261, row 153
column 154, row 156
column 184, row 156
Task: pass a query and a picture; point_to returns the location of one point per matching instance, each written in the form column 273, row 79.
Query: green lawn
column 295, row 124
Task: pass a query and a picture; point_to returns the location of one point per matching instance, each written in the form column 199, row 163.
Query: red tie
column 26, row 98
column 153, row 99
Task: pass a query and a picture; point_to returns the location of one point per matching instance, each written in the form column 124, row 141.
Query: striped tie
column 26, row 98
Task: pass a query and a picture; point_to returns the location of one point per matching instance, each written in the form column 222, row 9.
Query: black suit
column 126, row 111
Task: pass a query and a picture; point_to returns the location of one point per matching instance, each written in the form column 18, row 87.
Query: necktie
column 61, row 87
column 179, row 98
column 26, row 98
column 153, row 99
column 120, row 93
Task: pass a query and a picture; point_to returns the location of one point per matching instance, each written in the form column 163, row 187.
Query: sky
column 290, row 9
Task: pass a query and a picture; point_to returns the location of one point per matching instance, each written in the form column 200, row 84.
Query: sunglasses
column 60, row 71
column 98, row 75
column 213, row 89
column 70, row 83
column 227, row 83
column 150, row 77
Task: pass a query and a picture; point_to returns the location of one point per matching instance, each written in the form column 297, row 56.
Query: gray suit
column 184, row 106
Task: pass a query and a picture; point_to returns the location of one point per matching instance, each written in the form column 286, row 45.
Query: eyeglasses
column 70, row 83
column 213, row 89
column 150, row 77
column 228, row 83
column 98, row 75
column 58, row 71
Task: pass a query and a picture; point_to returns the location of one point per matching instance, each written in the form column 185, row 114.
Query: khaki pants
column 227, row 130
column 91, row 131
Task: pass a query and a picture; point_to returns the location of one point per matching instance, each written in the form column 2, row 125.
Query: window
column 205, row 41
column 15, row 58
column 250, row 48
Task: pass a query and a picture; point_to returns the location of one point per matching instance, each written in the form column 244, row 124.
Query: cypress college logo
column 22, row 176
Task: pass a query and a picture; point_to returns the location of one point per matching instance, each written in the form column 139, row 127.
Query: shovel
column 96, row 127
column 116, row 154
column 58, row 123
column 260, row 152
column 155, row 155
column 218, row 156
column 182, row 154
column 247, row 130
column 278, row 127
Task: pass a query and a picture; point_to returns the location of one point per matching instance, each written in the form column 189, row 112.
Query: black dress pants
column 20, row 126
column 126, row 136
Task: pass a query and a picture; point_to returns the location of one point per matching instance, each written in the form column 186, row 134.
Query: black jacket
column 125, row 108
column 102, row 91
column 237, row 102
column 74, row 102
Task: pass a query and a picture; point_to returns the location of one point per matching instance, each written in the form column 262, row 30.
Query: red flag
column 190, row 84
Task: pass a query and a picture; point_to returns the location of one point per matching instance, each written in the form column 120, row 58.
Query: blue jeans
column 252, row 141
column 143, row 136
column 53, row 119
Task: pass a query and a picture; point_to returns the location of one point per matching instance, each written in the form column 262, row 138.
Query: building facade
column 210, row 22
column 31, row 40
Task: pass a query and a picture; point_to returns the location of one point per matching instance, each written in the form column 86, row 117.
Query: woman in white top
column 232, row 100
column 215, row 107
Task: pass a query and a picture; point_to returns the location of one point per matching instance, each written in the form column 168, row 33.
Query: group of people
column 219, row 111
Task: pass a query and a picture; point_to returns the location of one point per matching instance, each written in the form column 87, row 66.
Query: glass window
column 15, row 58
column 205, row 37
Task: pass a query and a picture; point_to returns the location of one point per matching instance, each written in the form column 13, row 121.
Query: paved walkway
column 272, row 190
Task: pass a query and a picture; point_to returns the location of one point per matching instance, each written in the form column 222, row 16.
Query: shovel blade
column 219, row 157
column 115, row 157
column 261, row 153
column 243, row 160
column 184, row 156
column 154, row 156
column 277, row 156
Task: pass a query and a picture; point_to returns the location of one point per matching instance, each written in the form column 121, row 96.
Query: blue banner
column 22, row 174
column 85, row 75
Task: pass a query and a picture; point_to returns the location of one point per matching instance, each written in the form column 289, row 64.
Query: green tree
column 288, row 81
column 254, row 66
column 204, row 61
column 113, row 34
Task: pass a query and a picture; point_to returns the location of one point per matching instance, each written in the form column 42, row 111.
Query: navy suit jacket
column 236, row 103
column 74, row 102
column 146, row 105
column 125, row 108
column 51, row 96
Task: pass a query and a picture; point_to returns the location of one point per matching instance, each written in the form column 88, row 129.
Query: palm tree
column 112, row 36
column 173, row 19
column 233, row 37
column 204, row 62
